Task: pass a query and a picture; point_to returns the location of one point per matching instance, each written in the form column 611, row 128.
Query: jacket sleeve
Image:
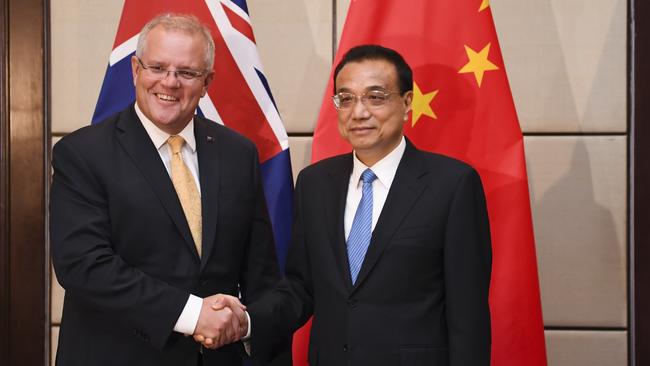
column 467, row 263
column 290, row 304
column 260, row 272
column 84, row 259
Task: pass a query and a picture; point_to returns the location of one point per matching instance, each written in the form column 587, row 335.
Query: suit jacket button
column 140, row 334
column 345, row 348
column 352, row 303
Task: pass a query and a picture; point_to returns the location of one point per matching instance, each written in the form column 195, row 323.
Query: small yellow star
column 478, row 63
column 421, row 104
column 484, row 5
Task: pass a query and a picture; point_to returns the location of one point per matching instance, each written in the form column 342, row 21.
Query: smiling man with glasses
column 171, row 72
column 391, row 245
column 153, row 212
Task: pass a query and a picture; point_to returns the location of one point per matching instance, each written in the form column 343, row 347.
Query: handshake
column 222, row 321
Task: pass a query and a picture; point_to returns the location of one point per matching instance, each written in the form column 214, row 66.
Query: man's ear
column 408, row 101
column 135, row 66
column 207, row 81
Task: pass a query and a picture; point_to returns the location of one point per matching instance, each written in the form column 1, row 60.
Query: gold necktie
column 186, row 190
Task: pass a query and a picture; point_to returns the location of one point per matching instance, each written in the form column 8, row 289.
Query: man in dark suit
column 152, row 211
column 391, row 245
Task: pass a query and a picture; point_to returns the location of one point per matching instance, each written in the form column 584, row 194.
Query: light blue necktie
column 361, row 231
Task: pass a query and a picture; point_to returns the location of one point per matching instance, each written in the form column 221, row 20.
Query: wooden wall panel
column 24, row 161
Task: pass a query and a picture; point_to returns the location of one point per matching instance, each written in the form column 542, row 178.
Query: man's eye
column 187, row 74
column 346, row 98
column 375, row 96
column 156, row 68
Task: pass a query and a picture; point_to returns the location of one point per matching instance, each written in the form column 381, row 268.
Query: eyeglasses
column 372, row 99
column 160, row 73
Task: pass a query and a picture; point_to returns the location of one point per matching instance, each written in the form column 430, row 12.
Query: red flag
column 463, row 108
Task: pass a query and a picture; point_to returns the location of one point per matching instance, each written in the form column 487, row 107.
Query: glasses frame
column 161, row 73
column 363, row 98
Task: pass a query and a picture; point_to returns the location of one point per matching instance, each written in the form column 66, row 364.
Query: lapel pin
column 210, row 139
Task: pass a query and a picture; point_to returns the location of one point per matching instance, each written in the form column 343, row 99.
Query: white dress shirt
column 159, row 139
column 385, row 170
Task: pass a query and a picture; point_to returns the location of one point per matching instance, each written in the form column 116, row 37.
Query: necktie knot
column 176, row 143
column 368, row 176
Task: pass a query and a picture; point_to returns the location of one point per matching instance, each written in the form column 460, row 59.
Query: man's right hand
column 222, row 321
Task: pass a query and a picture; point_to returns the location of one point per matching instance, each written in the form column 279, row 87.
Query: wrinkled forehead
column 174, row 44
column 162, row 31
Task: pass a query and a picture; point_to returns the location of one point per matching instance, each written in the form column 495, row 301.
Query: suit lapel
column 403, row 193
column 335, row 199
column 207, row 148
column 137, row 144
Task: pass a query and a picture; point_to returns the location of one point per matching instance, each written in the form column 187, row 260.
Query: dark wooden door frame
column 639, row 93
column 640, row 169
column 4, row 252
column 24, row 170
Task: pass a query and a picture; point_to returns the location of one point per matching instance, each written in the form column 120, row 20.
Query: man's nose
column 359, row 109
column 171, row 79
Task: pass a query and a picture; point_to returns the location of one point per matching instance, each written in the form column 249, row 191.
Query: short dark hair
column 375, row 52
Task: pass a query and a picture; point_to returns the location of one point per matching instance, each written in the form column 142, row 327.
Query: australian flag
column 240, row 97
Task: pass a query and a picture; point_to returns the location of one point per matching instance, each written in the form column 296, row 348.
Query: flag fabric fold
column 239, row 97
column 463, row 108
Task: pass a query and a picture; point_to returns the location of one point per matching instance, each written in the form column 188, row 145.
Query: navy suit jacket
column 421, row 297
column 123, row 251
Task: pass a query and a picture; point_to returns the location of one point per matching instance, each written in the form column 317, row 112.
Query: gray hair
column 179, row 22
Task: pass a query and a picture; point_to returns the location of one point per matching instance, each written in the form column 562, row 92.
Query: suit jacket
column 421, row 297
column 122, row 248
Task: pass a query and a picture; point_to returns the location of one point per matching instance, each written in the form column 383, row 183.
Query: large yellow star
column 478, row 63
column 421, row 104
column 484, row 5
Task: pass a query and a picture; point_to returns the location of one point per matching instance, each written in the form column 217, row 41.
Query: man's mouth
column 166, row 97
column 361, row 128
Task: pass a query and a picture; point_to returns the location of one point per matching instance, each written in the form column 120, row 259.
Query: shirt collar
column 159, row 137
column 384, row 169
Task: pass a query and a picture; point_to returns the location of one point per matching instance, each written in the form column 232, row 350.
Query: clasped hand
column 222, row 321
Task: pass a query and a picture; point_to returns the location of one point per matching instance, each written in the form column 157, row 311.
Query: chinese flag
column 463, row 108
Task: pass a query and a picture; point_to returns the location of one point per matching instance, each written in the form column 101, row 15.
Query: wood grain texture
column 24, row 163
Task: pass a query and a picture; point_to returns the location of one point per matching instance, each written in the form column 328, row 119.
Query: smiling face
column 375, row 131
column 170, row 102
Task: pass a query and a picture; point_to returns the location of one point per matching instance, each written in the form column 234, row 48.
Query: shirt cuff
column 248, row 331
column 247, row 338
column 186, row 322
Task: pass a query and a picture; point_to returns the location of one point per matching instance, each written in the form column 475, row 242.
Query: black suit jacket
column 122, row 248
column 421, row 297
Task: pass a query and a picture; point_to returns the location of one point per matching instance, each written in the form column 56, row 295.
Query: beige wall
column 566, row 61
